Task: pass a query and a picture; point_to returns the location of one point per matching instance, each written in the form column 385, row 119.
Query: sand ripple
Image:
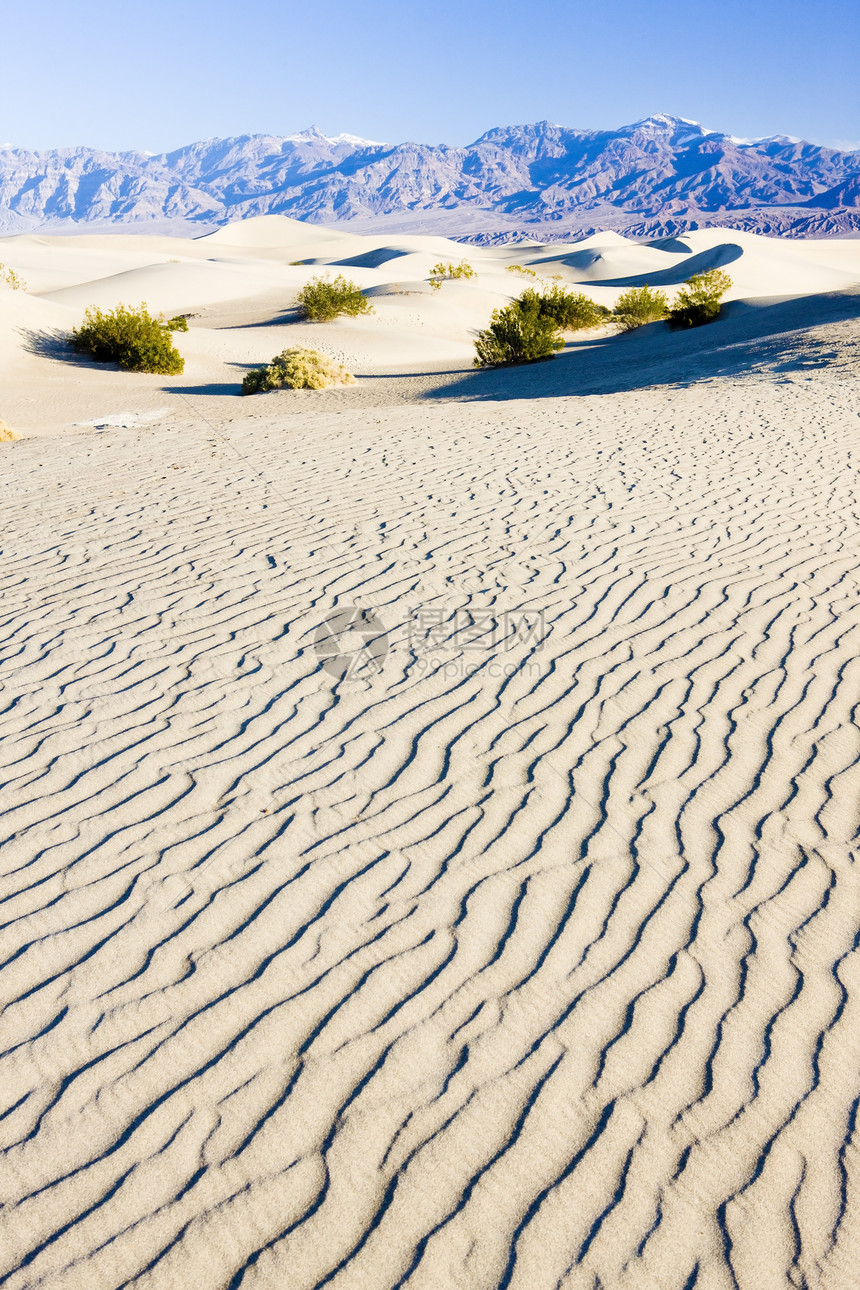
column 524, row 956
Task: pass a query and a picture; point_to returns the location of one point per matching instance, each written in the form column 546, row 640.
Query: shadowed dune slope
column 782, row 337
column 430, row 847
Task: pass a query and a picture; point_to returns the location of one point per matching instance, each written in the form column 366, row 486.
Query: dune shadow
column 54, row 344
column 770, row 336
column 217, row 388
column 388, row 289
column 674, row 245
column 369, row 259
column 423, row 373
column 714, row 258
column 214, row 388
column 283, row 319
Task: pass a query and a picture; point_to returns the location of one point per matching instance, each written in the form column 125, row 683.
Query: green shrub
column 322, row 299
column 569, row 310
column 519, row 333
column 179, row 323
column 12, row 279
column 297, row 369
column 640, row 305
column 130, row 337
column 519, row 268
column 7, row 434
column 699, row 300
column 441, row 271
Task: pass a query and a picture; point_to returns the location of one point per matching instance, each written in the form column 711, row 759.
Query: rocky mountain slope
column 659, row 176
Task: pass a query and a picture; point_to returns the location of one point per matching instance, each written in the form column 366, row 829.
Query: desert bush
column 323, row 299
column 7, row 434
column 639, row 305
column 179, row 323
column 130, row 337
column 570, row 310
column 700, row 299
column 519, row 333
column 441, row 271
column 297, row 369
column 12, row 279
column 521, row 269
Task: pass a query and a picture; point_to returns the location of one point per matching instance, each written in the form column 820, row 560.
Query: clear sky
column 157, row 75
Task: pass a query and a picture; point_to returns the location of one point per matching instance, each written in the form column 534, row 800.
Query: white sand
column 523, row 952
column 240, row 284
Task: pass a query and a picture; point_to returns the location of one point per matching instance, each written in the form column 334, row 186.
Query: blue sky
column 158, row 75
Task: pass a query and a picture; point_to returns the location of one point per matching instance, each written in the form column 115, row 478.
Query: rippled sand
column 430, row 845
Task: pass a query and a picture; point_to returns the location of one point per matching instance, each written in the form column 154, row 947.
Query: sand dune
column 430, row 826
column 239, row 284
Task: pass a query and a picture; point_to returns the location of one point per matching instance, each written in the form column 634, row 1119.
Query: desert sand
column 430, row 808
column 239, row 286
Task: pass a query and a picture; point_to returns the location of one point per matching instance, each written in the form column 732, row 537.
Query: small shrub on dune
column 521, row 269
column 12, row 279
column 440, row 272
column 570, row 310
column 179, row 323
column 638, row 306
column 700, row 299
column 519, row 333
column 323, row 299
column 130, row 337
column 297, row 369
column 7, row 434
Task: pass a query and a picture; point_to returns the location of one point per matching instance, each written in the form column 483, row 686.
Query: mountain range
column 657, row 177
